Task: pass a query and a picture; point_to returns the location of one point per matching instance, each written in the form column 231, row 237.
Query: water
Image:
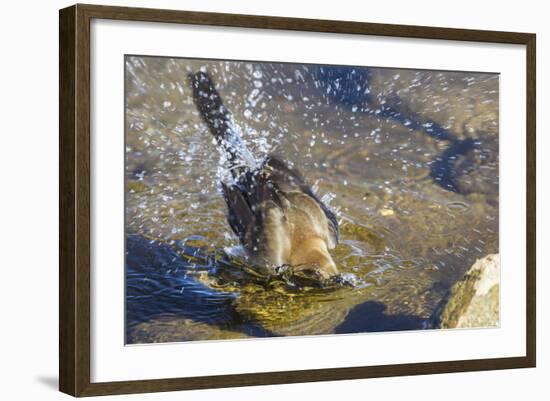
column 408, row 160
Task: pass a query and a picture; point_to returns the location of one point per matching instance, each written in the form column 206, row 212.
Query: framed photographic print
column 251, row 200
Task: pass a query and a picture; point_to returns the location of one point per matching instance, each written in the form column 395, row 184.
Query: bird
column 279, row 220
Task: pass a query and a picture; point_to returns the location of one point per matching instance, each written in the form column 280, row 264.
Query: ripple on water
column 457, row 206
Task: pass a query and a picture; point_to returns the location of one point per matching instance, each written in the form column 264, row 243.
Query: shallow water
column 408, row 160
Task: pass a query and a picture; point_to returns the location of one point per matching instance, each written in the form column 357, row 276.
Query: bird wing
column 248, row 200
column 239, row 215
column 287, row 179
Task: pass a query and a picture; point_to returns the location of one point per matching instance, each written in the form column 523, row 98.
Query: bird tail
column 220, row 123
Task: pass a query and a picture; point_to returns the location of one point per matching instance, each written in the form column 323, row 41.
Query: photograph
column 270, row 199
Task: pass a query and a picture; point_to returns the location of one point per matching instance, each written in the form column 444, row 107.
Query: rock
column 176, row 329
column 474, row 300
column 285, row 312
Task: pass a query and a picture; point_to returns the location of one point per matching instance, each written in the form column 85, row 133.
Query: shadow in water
column 370, row 317
column 351, row 87
column 161, row 282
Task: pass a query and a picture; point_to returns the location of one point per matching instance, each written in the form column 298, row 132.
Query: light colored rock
column 475, row 300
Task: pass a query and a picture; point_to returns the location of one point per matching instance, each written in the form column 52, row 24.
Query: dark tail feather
column 218, row 119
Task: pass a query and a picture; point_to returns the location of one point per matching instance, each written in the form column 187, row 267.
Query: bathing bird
column 279, row 220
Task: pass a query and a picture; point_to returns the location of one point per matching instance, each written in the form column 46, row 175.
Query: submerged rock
column 303, row 311
column 474, row 300
column 176, row 329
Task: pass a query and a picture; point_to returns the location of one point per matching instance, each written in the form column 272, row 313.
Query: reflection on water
column 408, row 159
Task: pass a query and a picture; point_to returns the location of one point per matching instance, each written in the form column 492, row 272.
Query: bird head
column 312, row 256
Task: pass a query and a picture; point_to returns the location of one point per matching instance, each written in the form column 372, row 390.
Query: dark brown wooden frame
column 74, row 199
